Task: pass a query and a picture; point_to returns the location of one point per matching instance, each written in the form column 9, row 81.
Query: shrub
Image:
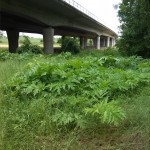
column 76, row 92
column 28, row 47
column 70, row 45
column 135, row 29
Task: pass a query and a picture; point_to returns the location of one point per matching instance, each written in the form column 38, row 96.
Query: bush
column 70, row 45
column 28, row 47
column 135, row 28
column 76, row 92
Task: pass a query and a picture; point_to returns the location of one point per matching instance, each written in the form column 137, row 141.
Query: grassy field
column 34, row 41
column 20, row 130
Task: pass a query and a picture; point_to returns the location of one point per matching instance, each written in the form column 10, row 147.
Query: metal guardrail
column 81, row 8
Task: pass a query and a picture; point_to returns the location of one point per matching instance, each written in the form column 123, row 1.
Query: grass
column 21, row 38
column 34, row 41
column 132, row 134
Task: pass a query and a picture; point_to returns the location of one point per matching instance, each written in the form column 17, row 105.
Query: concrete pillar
column 98, row 42
column 85, row 42
column 114, row 41
column 13, row 37
column 48, row 34
column 108, row 41
column 82, row 43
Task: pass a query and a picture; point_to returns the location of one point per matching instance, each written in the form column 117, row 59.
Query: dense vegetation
column 70, row 101
column 28, row 47
column 135, row 27
column 70, row 45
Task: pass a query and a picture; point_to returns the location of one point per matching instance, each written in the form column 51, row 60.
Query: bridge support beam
column 108, row 41
column 13, row 37
column 98, row 43
column 82, row 43
column 114, row 41
column 48, row 34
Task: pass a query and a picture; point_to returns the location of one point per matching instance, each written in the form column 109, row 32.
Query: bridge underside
column 14, row 21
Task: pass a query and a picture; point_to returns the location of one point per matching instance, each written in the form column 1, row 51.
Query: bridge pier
column 98, row 43
column 83, row 42
column 113, row 41
column 108, row 41
column 13, row 37
column 48, row 34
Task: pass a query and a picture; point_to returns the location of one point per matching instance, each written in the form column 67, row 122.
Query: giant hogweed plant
column 77, row 92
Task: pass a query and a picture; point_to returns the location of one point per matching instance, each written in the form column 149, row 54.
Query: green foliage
column 135, row 37
column 89, row 93
column 70, row 45
column 5, row 55
column 109, row 113
column 28, row 47
column 77, row 92
column 59, row 40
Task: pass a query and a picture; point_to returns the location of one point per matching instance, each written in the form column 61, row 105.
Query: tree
column 135, row 27
column 70, row 45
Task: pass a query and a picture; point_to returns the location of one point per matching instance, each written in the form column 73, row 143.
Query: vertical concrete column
column 13, row 37
column 114, row 41
column 108, row 41
column 85, row 42
column 48, row 34
column 82, row 42
column 98, row 42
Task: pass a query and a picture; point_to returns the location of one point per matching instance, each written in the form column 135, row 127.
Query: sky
column 104, row 10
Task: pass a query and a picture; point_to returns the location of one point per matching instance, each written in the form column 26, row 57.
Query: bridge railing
column 81, row 8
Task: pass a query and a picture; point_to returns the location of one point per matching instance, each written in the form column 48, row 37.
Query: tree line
column 134, row 16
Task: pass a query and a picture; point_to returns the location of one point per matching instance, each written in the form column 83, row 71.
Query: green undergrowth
column 5, row 55
column 71, row 101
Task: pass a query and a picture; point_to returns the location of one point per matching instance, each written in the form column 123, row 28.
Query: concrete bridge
column 52, row 17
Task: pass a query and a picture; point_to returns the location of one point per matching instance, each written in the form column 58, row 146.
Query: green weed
column 74, row 102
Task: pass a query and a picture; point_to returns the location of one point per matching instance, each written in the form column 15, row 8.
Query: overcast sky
column 104, row 10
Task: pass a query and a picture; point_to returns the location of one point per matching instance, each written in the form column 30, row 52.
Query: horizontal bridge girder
column 53, row 13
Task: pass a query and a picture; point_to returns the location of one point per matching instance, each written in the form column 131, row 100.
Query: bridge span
column 52, row 17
